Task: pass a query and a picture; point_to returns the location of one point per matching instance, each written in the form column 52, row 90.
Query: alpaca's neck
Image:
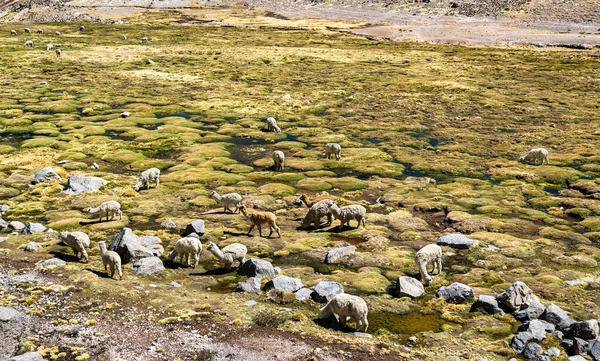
column 216, row 251
column 217, row 196
column 307, row 202
column 335, row 210
column 246, row 213
column 102, row 249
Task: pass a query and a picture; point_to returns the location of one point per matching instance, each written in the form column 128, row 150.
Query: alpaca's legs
column 251, row 228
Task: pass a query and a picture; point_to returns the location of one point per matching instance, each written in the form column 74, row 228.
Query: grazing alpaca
column 430, row 254
column 227, row 200
column 260, row 218
column 110, row 259
column 534, row 155
column 309, row 203
column 344, row 305
column 229, row 254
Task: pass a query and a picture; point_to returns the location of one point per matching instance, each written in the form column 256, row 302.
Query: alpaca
column 229, row 254
column 430, row 254
column 534, row 155
column 309, row 203
column 278, row 160
column 315, row 213
column 108, row 209
column 227, row 200
column 347, row 213
column 260, row 218
column 186, row 247
column 344, row 305
column 110, row 259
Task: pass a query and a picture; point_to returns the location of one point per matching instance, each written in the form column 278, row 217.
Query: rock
column 534, row 311
column 412, row 339
column 78, row 184
column 3, row 209
column 558, row 334
column 29, row 356
column 52, row 262
column 567, row 344
column 153, row 245
column 580, row 346
column 46, row 175
column 457, row 240
column 336, row 253
column 169, row 224
column 129, row 246
column 277, row 270
column 250, row 303
column 594, row 350
column 147, row 266
column 195, row 235
column 31, row 228
column 3, row 239
column 255, row 267
column 251, row 285
column 487, row 304
column 324, row 291
column 13, row 325
column 284, row 283
column 303, row 294
column 576, row 358
column 552, row 351
column 586, row 330
column 540, row 358
column 196, row 226
column 409, row 287
column 558, row 317
column 531, row 350
column 32, row 246
column 520, row 340
column 518, row 296
column 538, row 328
column 125, row 114
column 362, row 334
column 457, row 293
column 454, row 358
column 174, row 284
column 94, row 166
column 16, row 225
column 150, row 61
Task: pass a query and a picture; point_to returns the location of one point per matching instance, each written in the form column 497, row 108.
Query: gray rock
column 409, row 287
column 487, row 304
column 196, row 226
column 174, row 284
column 576, row 358
column 531, row 350
column 324, row 291
column 303, row 294
column 78, row 184
column 336, row 253
column 195, row 235
column 520, row 340
column 587, row 330
column 457, row 240
column 3, row 239
column 553, row 351
column 457, row 293
column 580, row 346
column 3, row 209
column 454, row 358
column 29, row 356
column 255, row 267
column 251, row 285
column 52, row 262
column 412, row 339
column 13, row 325
column 541, row 358
column 594, row 350
column 363, row 334
column 32, row 246
column 46, row 175
column 535, row 310
column 558, row 317
column 169, row 224
column 250, row 303
column 518, row 296
column 284, row 283
column 16, row 225
column 31, row 228
column 538, row 328
column 147, row 266
column 153, row 245
column 558, row 334
column 125, row 114
column 567, row 344
column 129, row 246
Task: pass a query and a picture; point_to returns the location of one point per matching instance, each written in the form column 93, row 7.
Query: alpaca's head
column 102, row 245
column 212, row 193
column 522, row 159
column 298, row 201
column 211, row 246
column 329, row 203
column 89, row 210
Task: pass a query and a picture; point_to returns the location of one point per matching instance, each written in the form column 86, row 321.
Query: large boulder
column 255, row 267
column 31, row 228
column 13, row 325
column 487, row 304
column 194, row 228
column 535, row 310
column 16, row 225
column 45, row 175
column 324, row 291
column 518, row 296
column 147, row 266
column 284, row 283
column 409, row 287
column 29, row 356
column 336, row 253
column 457, row 240
column 457, row 293
column 129, row 246
column 251, row 285
column 558, row 317
column 531, row 350
column 78, row 184
column 587, row 330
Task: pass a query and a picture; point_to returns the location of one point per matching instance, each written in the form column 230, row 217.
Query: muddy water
column 405, row 324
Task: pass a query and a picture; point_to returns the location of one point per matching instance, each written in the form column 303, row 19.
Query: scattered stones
column 32, row 246
column 534, row 311
column 303, row 294
column 251, row 285
column 16, row 225
column 284, row 283
column 29, row 356
column 336, row 253
column 13, row 325
column 457, row 293
column 409, row 287
column 46, row 175
column 325, row 290
column 147, row 266
column 250, row 303
column 196, row 226
column 517, row 296
column 52, row 262
column 31, row 228
column 457, row 240
column 557, row 316
column 552, row 351
column 486, row 304
column 255, row 267
column 129, row 246
column 586, row 330
column 78, row 184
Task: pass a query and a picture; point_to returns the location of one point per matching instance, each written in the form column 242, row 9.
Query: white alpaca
column 110, row 259
column 186, row 247
column 27, row 30
column 278, row 159
column 344, row 306
column 317, row 211
column 29, row 43
column 78, row 241
column 272, row 125
column 227, row 200
column 534, row 155
column 57, row 33
column 49, row 47
column 13, row 32
column 347, row 213
column 40, row 31
column 58, row 53
column 82, row 28
column 108, row 209
column 229, row 254
column 333, row 149
column 152, row 174
column 430, row 254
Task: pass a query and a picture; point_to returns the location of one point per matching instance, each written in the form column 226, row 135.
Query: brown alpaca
column 304, row 199
column 259, row 219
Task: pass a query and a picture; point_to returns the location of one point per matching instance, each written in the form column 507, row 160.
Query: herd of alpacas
column 343, row 305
